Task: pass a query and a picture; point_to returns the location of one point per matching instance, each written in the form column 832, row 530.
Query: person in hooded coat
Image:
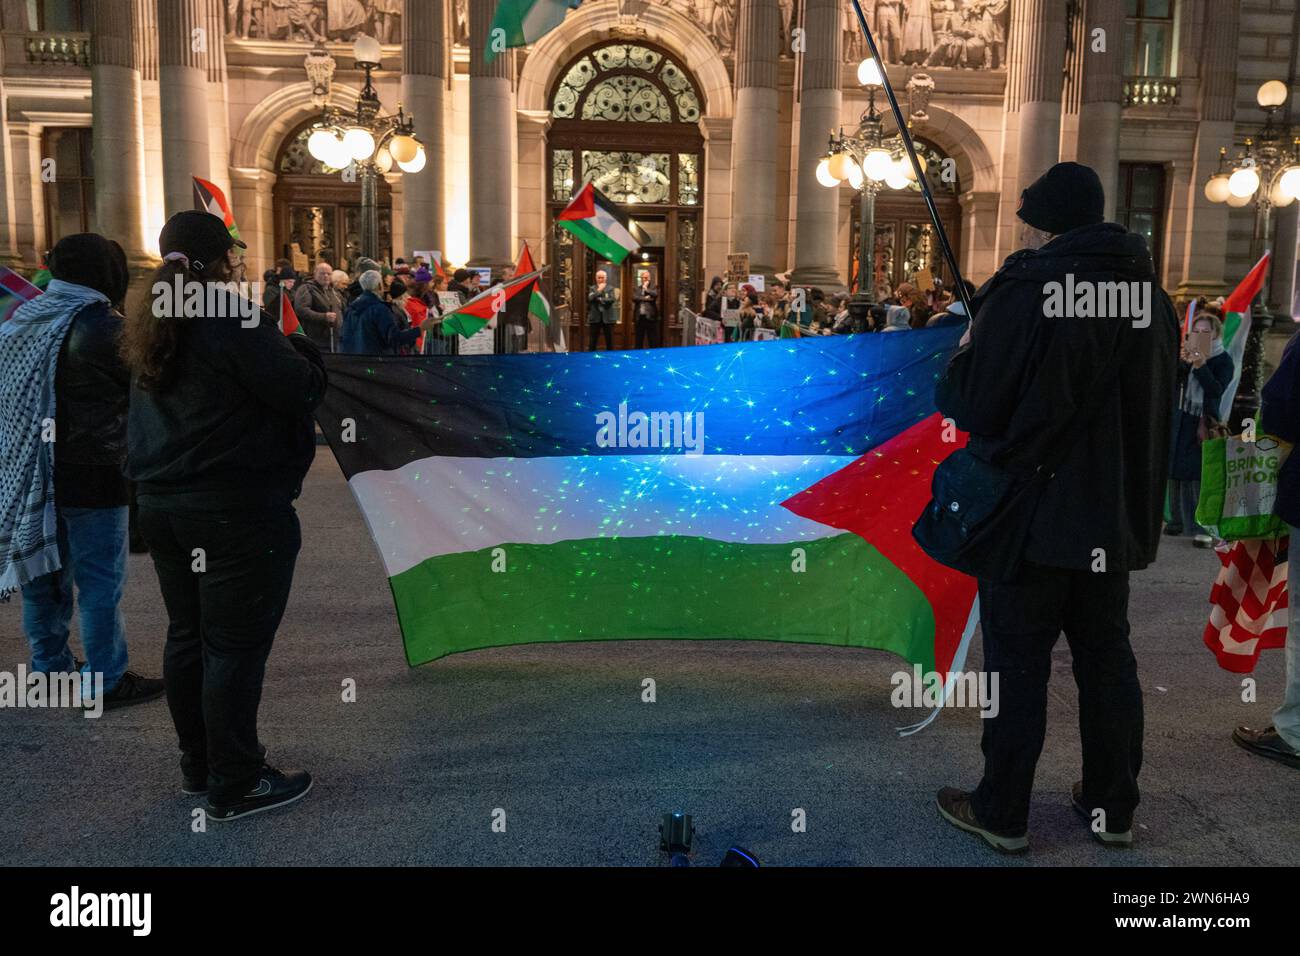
column 74, row 327
column 1015, row 388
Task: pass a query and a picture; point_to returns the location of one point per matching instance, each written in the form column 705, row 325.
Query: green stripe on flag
column 538, row 306
column 460, row 323
column 595, row 240
column 663, row 586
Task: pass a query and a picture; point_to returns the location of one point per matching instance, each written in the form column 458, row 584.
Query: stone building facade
column 704, row 119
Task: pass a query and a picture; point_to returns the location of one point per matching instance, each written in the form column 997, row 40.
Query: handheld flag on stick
column 599, row 224
column 1237, row 323
column 288, row 318
column 208, row 197
column 532, row 303
column 521, row 22
column 478, row 311
column 946, row 246
column 14, row 291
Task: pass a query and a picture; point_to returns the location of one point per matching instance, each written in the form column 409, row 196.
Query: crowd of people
column 208, row 423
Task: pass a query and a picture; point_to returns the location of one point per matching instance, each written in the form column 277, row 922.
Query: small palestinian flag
column 1237, row 321
column 14, row 291
column 520, row 307
column 599, row 224
column 521, row 22
column 287, row 320
column 209, row 198
column 478, row 311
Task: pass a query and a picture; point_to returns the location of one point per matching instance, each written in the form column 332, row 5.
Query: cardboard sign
column 924, row 280
column 707, row 331
column 738, row 267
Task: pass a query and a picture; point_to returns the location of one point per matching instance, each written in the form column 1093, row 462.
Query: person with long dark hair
column 220, row 436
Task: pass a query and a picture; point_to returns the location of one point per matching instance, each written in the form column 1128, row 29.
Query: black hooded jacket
column 91, row 380
column 1017, row 385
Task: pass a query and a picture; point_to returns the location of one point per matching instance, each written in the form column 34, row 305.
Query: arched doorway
column 318, row 209
column 625, row 116
column 905, row 240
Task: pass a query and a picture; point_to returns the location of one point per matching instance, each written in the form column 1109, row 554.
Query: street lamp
column 868, row 161
column 1265, row 171
column 361, row 137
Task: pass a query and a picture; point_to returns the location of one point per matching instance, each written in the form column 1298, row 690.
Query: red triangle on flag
column 288, row 319
column 525, row 263
column 583, row 205
column 1244, row 294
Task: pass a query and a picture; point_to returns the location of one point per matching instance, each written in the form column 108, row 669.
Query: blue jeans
column 1286, row 719
column 92, row 548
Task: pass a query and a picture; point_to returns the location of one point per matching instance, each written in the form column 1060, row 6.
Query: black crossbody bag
column 979, row 515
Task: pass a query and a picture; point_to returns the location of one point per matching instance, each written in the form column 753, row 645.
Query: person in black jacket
column 1202, row 382
column 220, row 436
column 1280, row 418
column 88, row 283
column 645, row 302
column 1016, row 388
column 602, row 312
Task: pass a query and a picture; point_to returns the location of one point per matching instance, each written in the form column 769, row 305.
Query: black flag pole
column 948, row 255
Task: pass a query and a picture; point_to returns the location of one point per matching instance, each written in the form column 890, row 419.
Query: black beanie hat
column 202, row 237
column 90, row 260
column 1067, row 196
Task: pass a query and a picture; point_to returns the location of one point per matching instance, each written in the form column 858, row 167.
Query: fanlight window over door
column 626, row 82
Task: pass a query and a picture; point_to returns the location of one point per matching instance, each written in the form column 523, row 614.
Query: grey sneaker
column 1109, row 838
column 954, row 806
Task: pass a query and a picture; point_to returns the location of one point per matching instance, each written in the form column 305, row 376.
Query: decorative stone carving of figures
column 787, row 26
column 918, row 37
column 889, row 30
column 344, row 18
column 462, row 22
column 239, row 15
column 855, row 44
column 722, row 25
column 388, row 20
column 943, row 15
column 994, row 31
column 287, row 19
column 961, row 43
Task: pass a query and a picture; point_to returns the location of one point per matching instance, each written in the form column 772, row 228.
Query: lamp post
column 361, row 138
column 1265, row 171
column 869, row 162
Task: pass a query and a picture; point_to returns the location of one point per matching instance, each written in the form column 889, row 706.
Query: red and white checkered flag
column 1248, row 603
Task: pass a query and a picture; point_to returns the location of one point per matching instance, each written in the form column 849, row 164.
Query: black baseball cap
column 201, row 236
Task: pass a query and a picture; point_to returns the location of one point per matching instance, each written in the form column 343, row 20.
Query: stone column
column 1204, row 251
column 117, row 125
column 146, row 41
column 753, row 157
column 820, row 100
column 1031, row 135
column 491, row 144
column 424, row 87
column 214, row 15
column 184, row 52
column 1102, row 105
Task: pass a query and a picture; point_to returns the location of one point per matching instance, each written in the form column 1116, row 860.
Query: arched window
column 626, row 82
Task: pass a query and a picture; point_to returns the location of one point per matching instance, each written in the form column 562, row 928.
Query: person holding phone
column 1205, row 371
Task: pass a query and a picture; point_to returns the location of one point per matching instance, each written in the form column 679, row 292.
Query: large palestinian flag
column 761, row 491
column 521, row 22
column 591, row 217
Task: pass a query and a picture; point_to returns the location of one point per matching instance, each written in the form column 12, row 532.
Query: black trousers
column 1021, row 621
column 222, row 621
column 647, row 331
column 595, row 330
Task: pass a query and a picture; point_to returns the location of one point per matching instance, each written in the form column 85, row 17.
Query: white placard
column 757, row 282
column 731, row 317
column 481, row 342
column 448, row 302
column 707, row 331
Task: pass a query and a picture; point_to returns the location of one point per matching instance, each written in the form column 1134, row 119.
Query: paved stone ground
column 741, row 734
